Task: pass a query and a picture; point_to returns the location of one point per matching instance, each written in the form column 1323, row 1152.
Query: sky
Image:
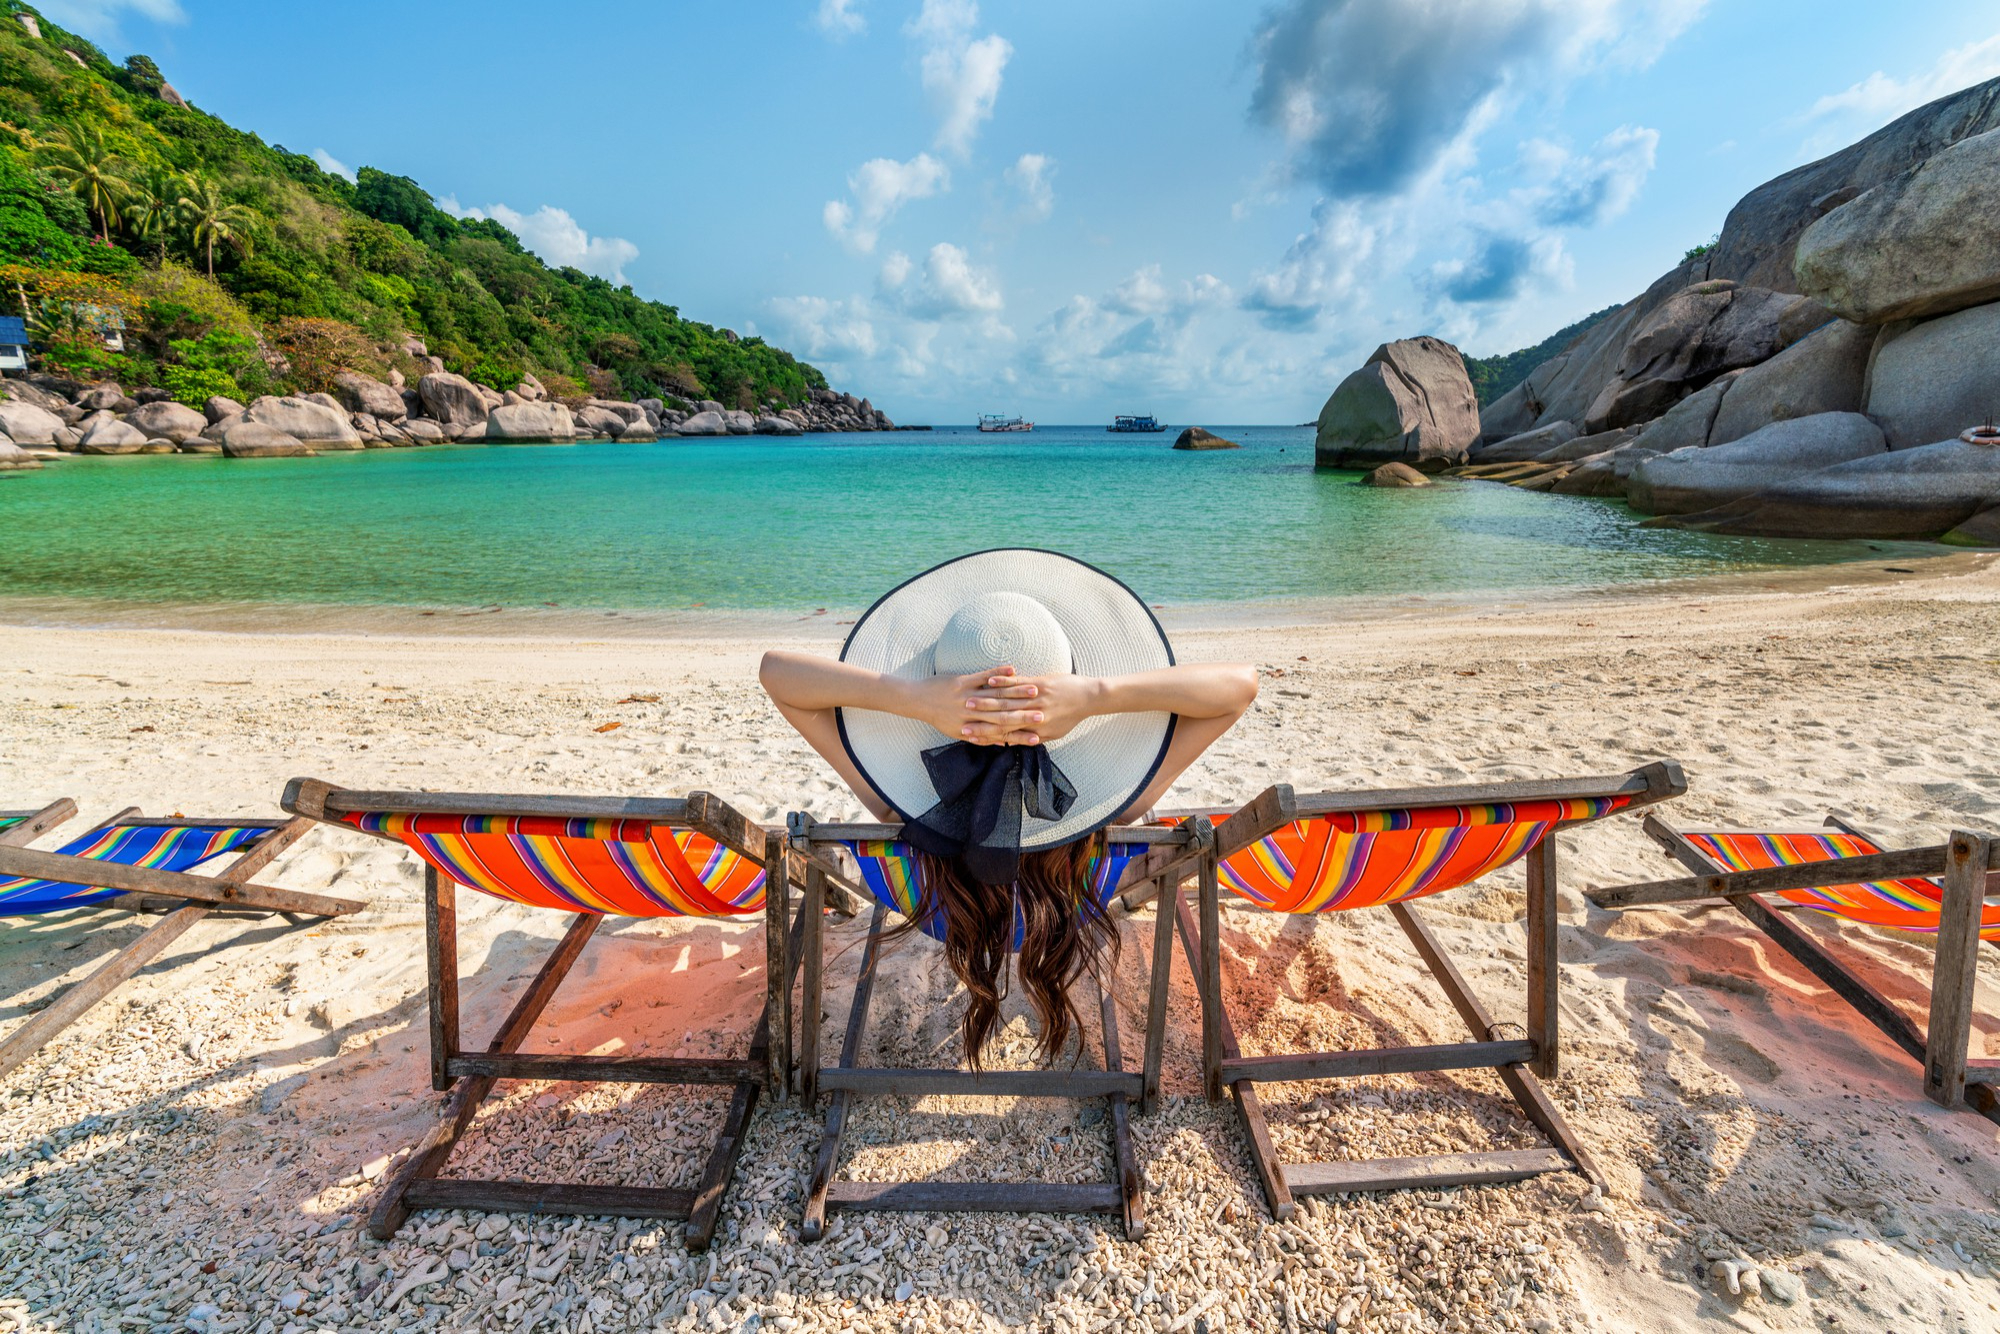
column 1066, row 209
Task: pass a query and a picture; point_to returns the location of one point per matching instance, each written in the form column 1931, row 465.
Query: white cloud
column 1881, row 98
column 1585, row 190
column 839, row 18
column 1501, row 268
column 328, row 162
column 557, row 237
column 881, row 187
column 1033, row 175
column 895, row 271
column 99, row 18
column 961, row 74
column 1322, row 266
column 953, row 287
column 836, row 330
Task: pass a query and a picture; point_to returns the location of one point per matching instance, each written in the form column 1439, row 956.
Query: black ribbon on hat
column 983, row 792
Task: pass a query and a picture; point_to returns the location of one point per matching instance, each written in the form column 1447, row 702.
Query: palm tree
column 210, row 218
column 154, row 205
column 82, row 161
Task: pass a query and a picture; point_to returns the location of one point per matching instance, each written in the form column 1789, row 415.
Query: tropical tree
column 152, row 205
column 210, row 218
column 83, row 163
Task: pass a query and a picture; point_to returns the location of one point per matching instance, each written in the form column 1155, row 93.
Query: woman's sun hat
column 1042, row 613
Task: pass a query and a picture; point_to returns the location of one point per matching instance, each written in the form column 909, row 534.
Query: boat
column 1147, row 423
column 993, row 421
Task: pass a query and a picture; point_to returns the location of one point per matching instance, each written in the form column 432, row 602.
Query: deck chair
column 593, row 857
column 1334, row 852
column 138, row 863
column 1949, row 891
column 888, row 875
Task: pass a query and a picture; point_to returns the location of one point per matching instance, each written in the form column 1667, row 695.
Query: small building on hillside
column 13, row 343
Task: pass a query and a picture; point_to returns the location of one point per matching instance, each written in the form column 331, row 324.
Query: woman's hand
column 1033, row 710
column 951, row 705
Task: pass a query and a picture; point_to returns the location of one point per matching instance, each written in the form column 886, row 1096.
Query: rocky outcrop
column 1195, row 437
column 1689, row 422
column 1931, row 381
column 530, row 421
column 704, row 423
column 1695, row 336
column 638, row 432
column 739, row 423
column 424, row 432
column 1690, row 480
column 531, row 389
column 1411, row 403
column 1527, row 445
column 358, row 393
column 13, row 458
column 776, row 426
column 25, row 424
column 106, row 397
column 1393, row 475
column 168, row 420
column 316, row 424
column 242, row 438
column 451, row 400
column 108, row 435
column 1903, row 494
column 828, row 410
column 218, row 409
column 599, row 421
column 1824, row 372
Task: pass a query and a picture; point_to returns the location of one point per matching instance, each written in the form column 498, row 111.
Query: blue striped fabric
column 162, row 847
column 889, row 872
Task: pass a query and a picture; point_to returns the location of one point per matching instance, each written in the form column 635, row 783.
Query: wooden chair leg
column 441, row 953
column 1209, row 979
column 812, row 1225
column 777, row 965
column 1543, row 972
column 812, row 946
column 1131, row 1183
column 1157, row 995
column 721, row 1166
column 1957, row 969
column 60, row 1013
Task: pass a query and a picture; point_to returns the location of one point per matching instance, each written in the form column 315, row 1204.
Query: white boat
column 993, row 421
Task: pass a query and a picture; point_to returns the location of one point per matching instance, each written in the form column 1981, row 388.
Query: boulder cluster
column 1825, row 370
column 363, row 413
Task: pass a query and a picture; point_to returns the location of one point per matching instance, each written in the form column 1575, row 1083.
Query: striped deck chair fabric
column 889, row 871
column 1364, row 859
column 1903, row 905
column 161, row 847
column 623, row 868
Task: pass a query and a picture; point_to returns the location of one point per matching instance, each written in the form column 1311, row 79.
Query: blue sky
column 1208, row 210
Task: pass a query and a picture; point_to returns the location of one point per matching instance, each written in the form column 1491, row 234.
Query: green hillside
column 115, row 198
column 1494, row 376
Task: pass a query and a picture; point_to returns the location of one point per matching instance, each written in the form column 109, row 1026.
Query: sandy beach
column 194, row 1153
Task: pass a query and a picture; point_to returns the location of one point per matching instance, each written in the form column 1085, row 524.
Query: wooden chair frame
column 1174, row 852
column 470, row 1075
column 1965, row 863
column 1521, row 1063
column 187, row 899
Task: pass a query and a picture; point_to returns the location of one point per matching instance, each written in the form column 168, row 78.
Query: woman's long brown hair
column 1064, row 934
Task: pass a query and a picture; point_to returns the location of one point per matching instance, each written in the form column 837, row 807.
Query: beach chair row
column 1282, row 852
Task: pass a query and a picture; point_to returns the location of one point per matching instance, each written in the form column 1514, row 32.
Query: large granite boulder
column 168, row 420
column 316, row 424
column 1527, row 445
column 106, row 397
column 739, row 423
column 218, row 409
column 27, row 391
column 1690, row 480
column 26, row 424
column 600, row 421
column 1688, row 422
column 108, row 435
column 359, row 393
column 1759, row 239
column 530, row 421
column 1695, row 336
column 625, row 412
column 769, row 425
column 531, row 389
column 1926, row 242
column 703, row 423
column 422, row 432
column 242, row 438
column 1196, row 437
column 1934, row 380
column 13, row 458
column 1393, row 476
column 451, row 400
column 1824, row 372
column 1913, row 494
column 1411, row 403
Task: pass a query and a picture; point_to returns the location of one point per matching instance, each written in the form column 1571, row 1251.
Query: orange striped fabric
column 622, row 868
column 1903, row 905
column 1364, row 859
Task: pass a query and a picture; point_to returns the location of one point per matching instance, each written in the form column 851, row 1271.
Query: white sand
column 230, row 1106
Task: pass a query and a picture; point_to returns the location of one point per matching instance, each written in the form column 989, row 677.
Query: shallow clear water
column 821, row 520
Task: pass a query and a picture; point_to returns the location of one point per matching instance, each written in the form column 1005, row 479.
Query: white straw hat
column 1043, row 613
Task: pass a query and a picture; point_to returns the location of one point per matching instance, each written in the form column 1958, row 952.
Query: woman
column 1005, row 707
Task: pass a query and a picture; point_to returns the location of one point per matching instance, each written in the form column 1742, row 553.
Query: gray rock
column 531, row 389
column 219, row 409
column 415, row 347
column 314, row 423
column 1981, row 530
column 1411, row 403
column 1934, row 380
column 638, row 432
column 1689, row 421
column 26, row 424
column 359, row 393
column 27, row 391
column 776, row 426
column 739, row 423
column 1688, row 481
column 242, row 438
column 150, row 394
column 423, row 432
column 625, row 412
column 471, row 434
column 1527, row 445
column 101, row 397
column 15, row 459
column 530, row 421
column 653, row 405
column 1824, row 372
column 488, row 395
column 1590, row 446
column 704, row 423
column 168, row 420
column 1913, row 494
column 1592, row 477
column 200, row 445
column 1710, row 328
column 709, row 405
column 396, row 380
column 67, row 437
column 511, row 399
column 1926, row 242
column 1760, row 237
column 451, row 400
column 599, row 421
column 1196, row 437
column 1394, row 475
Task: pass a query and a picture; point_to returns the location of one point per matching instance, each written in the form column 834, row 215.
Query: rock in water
column 451, row 400
column 1690, row 480
column 1194, row 437
column 26, row 424
column 168, row 420
column 358, row 393
column 739, row 423
column 1915, row 494
column 302, row 419
column 1411, row 403
column 704, row 423
column 530, row 421
column 111, row 436
column 1395, row 475
column 599, row 421
column 776, row 426
column 1926, row 242
column 1933, row 381
column 14, row 458
column 246, row 439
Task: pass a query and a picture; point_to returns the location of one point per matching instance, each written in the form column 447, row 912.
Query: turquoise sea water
column 817, row 521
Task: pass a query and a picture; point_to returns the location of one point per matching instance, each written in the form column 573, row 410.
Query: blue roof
column 13, row 331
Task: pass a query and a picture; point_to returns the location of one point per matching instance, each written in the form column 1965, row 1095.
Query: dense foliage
column 1494, row 376
column 173, row 208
